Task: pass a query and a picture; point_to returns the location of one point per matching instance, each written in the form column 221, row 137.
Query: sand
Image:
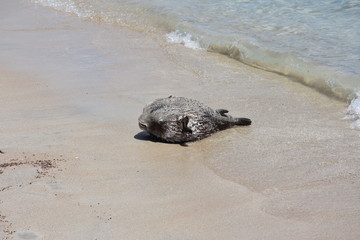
column 75, row 165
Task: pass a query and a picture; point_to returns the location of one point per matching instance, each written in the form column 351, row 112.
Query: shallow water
column 315, row 43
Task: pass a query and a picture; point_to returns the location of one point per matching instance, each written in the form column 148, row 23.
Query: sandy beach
column 75, row 165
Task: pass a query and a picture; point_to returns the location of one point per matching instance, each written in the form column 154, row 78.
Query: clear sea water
column 313, row 42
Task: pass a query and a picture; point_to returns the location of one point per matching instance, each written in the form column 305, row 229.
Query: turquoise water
column 313, row 42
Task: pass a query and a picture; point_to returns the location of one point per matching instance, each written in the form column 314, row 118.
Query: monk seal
column 179, row 119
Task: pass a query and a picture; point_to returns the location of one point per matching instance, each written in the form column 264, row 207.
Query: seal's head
column 170, row 127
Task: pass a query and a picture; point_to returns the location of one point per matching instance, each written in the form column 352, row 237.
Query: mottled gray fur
column 178, row 119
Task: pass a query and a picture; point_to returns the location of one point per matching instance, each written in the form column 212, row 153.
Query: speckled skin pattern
column 179, row 119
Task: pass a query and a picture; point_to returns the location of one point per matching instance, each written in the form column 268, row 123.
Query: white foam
column 353, row 112
column 183, row 38
column 68, row 6
column 58, row 5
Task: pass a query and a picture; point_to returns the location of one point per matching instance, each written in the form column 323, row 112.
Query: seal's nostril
column 142, row 126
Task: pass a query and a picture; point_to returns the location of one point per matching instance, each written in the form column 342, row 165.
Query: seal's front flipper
column 222, row 112
column 185, row 121
column 242, row 121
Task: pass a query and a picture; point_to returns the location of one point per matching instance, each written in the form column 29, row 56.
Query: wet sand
column 75, row 165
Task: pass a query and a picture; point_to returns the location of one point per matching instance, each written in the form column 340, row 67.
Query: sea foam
column 68, row 6
column 184, row 38
column 353, row 112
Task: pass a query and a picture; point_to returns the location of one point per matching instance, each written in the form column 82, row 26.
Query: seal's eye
column 161, row 121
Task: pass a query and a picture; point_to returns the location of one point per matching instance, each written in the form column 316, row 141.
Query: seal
column 179, row 119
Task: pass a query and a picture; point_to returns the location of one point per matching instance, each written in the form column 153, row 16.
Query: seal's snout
column 143, row 126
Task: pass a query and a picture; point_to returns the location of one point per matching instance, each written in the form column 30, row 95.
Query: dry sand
column 74, row 165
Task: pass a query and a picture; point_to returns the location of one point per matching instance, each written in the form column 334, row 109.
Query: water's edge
column 326, row 80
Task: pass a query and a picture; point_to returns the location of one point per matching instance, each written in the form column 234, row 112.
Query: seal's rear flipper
column 222, row 112
column 242, row 121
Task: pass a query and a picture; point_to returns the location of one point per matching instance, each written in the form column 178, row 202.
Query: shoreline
column 73, row 90
column 321, row 75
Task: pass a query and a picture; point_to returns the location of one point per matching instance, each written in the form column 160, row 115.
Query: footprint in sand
column 26, row 235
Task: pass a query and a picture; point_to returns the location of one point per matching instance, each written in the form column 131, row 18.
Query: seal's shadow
column 145, row 136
